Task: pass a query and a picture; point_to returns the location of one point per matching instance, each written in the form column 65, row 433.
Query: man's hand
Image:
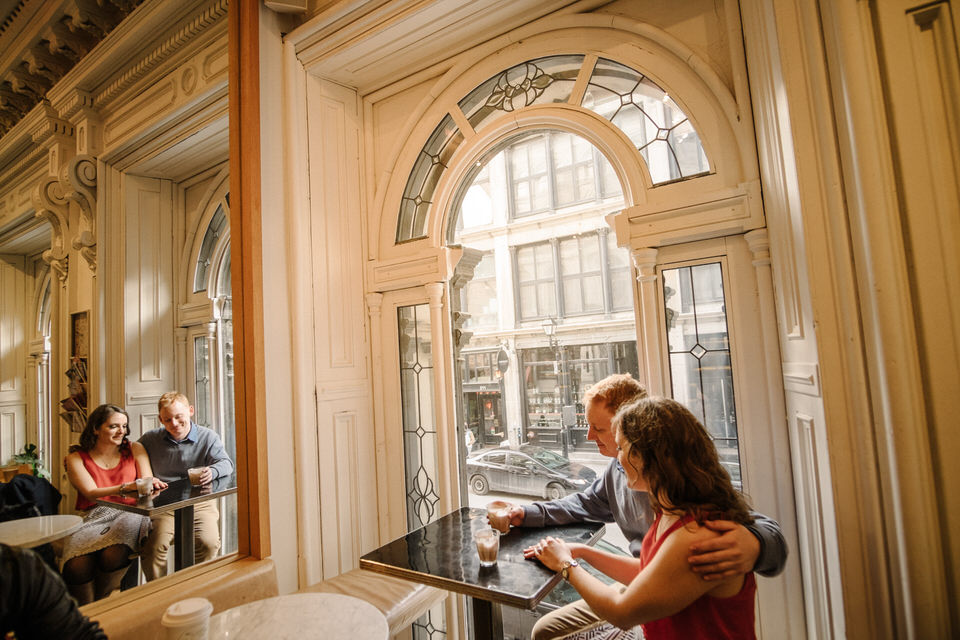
column 516, row 514
column 734, row 552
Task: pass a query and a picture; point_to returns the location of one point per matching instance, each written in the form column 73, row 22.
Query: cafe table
column 443, row 554
column 302, row 616
column 179, row 497
column 33, row 532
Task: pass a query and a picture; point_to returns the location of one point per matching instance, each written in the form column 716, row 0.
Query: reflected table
column 302, row 616
column 443, row 554
column 33, row 532
column 179, row 497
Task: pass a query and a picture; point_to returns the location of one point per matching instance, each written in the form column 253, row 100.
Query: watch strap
column 565, row 568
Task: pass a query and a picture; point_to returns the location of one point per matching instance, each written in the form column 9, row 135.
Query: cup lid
column 187, row 611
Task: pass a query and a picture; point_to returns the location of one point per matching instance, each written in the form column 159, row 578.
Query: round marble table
column 302, row 616
column 32, row 532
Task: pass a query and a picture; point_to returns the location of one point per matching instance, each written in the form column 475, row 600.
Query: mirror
column 115, row 281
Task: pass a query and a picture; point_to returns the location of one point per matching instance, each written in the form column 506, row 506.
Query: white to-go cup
column 188, row 619
column 144, row 486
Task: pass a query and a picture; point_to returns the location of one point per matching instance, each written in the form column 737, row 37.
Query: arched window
column 656, row 126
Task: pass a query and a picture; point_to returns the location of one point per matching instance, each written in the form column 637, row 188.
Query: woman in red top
column 95, row 558
column 666, row 452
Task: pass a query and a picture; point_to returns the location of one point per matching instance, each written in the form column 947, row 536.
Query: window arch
column 661, row 133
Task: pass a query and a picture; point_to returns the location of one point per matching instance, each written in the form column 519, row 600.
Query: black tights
column 84, row 568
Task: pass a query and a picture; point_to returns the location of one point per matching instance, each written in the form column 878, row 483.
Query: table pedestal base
column 487, row 620
column 183, row 525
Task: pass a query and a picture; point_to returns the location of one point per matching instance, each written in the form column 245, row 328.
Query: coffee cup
column 144, row 486
column 188, row 619
column 488, row 546
column 498, row 514
column 195, row 473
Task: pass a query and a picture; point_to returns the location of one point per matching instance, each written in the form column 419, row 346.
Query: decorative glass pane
column 649, row 117
column 540, row 81
column 202, row 396
column 434, row 158
column 218, row 225
column 419, row 430
column 699, row 347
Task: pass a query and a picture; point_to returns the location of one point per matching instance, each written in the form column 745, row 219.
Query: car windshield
column 549, row 459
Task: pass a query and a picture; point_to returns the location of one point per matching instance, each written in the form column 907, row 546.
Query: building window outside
column 480, row 295
column 573, row 169
column 536, row 281
column 581, row 271
column 529, row 177
column 620, row 275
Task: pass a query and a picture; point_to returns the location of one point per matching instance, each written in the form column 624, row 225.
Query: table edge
column 152, row 511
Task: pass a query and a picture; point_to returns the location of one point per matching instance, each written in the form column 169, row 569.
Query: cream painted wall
column 280, row 389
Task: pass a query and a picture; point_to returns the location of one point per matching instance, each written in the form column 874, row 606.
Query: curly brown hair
column 614, row 391
column 679, row 461
column 88, row 438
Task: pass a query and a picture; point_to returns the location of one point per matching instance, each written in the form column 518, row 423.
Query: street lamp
column 549, row 326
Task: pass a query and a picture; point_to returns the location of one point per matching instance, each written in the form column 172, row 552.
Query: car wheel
column 554, row 492
column 479, row 485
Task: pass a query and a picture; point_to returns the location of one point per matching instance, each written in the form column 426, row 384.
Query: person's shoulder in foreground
column 34, row 603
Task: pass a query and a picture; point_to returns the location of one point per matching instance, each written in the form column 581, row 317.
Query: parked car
column 529, row 470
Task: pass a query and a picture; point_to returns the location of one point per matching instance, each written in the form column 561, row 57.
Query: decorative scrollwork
column 50, row 204
column 79, row 179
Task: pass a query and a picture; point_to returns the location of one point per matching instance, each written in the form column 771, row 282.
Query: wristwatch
column 565, row 568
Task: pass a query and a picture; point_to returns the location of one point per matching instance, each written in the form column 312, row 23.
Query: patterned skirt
column 607, row 631
column 103, row 527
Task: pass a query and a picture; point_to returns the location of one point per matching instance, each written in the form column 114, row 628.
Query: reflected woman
column 665, row 451
column 105, row 462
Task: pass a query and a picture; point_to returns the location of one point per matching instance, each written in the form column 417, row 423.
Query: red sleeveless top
column 708, row 617
column 123, row 473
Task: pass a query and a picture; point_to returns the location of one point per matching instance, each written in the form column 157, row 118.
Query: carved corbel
column 79, row 180
column 51, row 205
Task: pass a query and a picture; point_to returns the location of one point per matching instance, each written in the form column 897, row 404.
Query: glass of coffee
column 498, row 515
column 488, row 545
column 195, row 474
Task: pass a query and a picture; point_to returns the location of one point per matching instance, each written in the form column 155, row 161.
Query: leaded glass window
column 433, row 159
column 648, row 116
column 539, row 81
column 661, row 131
column 698, row 344
column 211, row 238
column 419, row 435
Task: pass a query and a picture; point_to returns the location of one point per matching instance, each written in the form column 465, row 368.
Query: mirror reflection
column 115, row 286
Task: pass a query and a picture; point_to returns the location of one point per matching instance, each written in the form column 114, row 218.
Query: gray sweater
column 609, row 499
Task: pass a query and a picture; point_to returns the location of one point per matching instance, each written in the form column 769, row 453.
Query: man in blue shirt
column 758, row 547
column 177, row 446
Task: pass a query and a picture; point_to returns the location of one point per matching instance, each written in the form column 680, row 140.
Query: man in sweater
column 759, row 547
column 177, row 446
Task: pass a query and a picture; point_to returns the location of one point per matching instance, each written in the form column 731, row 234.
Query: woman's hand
column 551, row 552
column 159, row 484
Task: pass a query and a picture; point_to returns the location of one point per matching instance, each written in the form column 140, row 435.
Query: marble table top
column 302, row 616
column 32, row 532
column 443, row 554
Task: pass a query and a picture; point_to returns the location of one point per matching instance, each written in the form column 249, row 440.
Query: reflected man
column 177, row 446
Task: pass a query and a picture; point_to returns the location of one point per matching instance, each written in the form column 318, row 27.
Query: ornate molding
column 48, row 45
column 170, row 46
column 51, row 205
column 79, row 182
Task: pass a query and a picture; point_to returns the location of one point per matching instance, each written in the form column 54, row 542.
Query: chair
column 401, row 601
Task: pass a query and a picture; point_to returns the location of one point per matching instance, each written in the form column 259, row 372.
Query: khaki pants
column 206, row 539
column 570, row 618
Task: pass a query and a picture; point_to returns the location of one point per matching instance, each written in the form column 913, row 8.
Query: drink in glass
column 498, row 515
column 195, row 473
column 488, row 545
